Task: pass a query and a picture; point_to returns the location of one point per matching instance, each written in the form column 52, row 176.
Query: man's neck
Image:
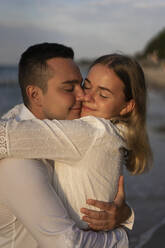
column 36, row 112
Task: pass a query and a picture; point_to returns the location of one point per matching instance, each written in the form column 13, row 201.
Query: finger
column 120, row 194
column 107, row 227
column 100, row 204
column 94, row 222
column 104, row 226
column 98, row 215
column 108, row 224
column 121, row 185
column 99, row 228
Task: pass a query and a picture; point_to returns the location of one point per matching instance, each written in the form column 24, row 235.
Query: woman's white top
column 89, row 152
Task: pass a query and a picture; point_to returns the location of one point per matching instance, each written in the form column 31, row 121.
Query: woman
column 93, row 150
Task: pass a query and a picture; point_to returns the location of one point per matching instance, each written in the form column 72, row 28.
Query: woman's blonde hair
column 131, row 74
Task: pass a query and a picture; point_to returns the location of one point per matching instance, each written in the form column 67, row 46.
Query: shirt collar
column 25, row 113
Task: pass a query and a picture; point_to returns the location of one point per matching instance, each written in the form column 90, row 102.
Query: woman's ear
column 128, row 107
column 34, row 94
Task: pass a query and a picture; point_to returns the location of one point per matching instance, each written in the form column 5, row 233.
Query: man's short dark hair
column 33, row 69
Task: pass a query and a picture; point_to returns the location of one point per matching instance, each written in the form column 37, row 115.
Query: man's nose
column 79, row 94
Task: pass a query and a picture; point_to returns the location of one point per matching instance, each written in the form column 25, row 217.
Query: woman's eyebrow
column 103, row 88
column 86, row 79
column 100, row 87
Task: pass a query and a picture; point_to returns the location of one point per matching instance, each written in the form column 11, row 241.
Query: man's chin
column 73, row 115
column 83, row 114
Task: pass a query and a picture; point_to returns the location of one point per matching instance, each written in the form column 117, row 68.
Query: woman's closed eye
column 86, row 85
column 104, row 94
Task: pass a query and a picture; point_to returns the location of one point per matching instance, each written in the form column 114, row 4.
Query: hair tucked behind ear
column 132, row 76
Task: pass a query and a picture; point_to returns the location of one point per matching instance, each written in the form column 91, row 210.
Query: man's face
column 62, row 99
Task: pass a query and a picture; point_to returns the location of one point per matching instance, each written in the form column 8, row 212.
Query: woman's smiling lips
column 86, row 108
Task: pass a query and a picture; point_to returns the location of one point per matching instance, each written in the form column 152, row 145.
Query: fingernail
column 90, row 201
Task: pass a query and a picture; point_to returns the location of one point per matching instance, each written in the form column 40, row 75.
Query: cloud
column 135, row 3
column 152, row 4
column 91, row 27
column 14, row 40
column 109, row 2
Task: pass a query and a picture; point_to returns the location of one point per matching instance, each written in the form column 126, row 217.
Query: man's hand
column 111, row 215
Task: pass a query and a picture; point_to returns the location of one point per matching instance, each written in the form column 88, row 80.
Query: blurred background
column 93, row 28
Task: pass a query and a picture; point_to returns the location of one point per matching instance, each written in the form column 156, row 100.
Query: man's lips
column 86, row 108
column 76, row 108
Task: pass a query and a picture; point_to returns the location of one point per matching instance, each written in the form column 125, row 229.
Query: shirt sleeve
column 27, row 192
column 64, row 141
column 130, row 221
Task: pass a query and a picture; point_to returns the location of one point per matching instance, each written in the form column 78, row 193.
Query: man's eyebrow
column 71, row 82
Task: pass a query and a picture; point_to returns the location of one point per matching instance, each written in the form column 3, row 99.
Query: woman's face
column 104, row 95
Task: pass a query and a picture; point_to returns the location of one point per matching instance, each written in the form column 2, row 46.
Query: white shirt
column 35, row 204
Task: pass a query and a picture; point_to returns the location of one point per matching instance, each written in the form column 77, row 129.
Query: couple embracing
column 53, row 160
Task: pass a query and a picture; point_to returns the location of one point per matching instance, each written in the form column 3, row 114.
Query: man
column 50, row 82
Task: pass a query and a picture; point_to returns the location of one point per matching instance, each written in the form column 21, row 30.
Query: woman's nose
column 88, row 96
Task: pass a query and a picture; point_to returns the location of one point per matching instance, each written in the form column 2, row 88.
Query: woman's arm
column 110, row 214
column 26, row 190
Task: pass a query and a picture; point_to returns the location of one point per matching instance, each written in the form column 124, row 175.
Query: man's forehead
column 63, row 72
column 59, row 61
column 64, row 67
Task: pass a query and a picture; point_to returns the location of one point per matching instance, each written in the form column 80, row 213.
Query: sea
column 145, row 193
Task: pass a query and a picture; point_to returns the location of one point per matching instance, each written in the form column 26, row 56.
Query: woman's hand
column 111, row 215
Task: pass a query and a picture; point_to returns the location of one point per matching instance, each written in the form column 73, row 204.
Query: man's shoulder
column 13, row 112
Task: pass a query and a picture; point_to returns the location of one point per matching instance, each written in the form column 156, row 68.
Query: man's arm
column 64, row 141
column 27, row 192
column 111, row 215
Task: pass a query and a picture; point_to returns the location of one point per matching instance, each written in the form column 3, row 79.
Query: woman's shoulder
column 108, row 126
column 101, row 123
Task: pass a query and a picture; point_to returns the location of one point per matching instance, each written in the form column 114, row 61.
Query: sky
column 91, row 27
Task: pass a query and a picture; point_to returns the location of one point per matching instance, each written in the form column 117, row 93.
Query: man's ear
column 129, row 106
column 34, row 94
